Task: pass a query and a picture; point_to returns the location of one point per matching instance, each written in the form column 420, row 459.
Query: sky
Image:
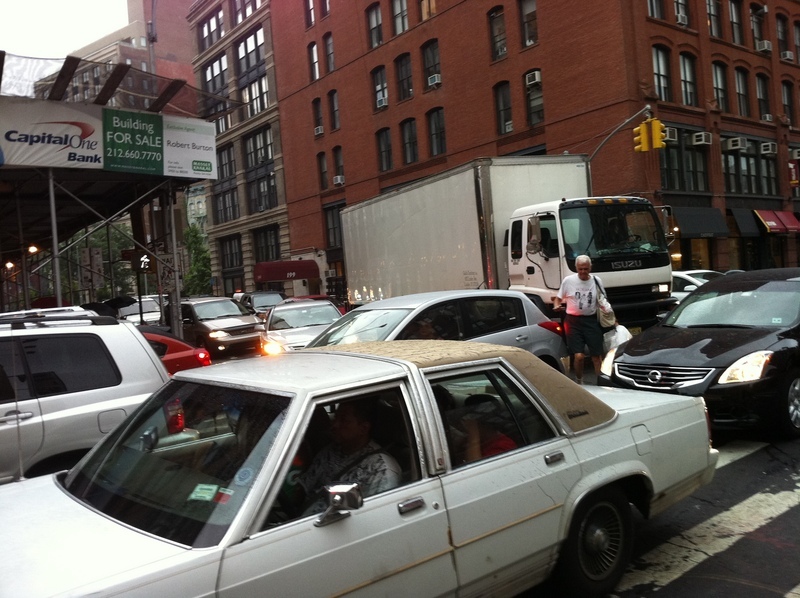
column 55, row 28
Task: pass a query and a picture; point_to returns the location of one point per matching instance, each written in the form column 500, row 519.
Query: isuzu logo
column 626, row 264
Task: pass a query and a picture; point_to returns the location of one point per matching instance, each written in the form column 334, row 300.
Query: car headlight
column 748, row 368
column 217, row 334
column 270, row 347
column 608, row 363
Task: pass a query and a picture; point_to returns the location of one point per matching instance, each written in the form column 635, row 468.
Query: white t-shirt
column 580, row 295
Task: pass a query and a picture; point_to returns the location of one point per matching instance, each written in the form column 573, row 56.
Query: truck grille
column 661, row 377
column 239, row 331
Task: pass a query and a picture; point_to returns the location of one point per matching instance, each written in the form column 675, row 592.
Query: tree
column 197, row 280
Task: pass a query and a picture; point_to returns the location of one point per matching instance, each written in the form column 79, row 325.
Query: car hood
column 695, row 347
column 226, row 322
column 56, row 546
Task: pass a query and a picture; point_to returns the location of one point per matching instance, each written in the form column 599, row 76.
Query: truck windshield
column 606, row 229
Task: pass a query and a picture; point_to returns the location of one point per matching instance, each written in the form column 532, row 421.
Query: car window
column 219, row 309
column 440, row 322
column 13, row 378
column 67, row 363
column 312, row 314
column 485, row 414
column 266, row 300
column 361, row 326
column 493, row 314
column 389, row 458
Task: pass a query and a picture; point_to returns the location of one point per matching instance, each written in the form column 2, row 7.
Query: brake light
column 203, row 357
column 176, row 420
column 553, row 326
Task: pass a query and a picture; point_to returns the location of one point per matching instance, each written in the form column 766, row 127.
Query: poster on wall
column 67, row 135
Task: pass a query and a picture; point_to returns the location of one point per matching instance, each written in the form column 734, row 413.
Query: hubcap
column 602, row 541
column 794, row 403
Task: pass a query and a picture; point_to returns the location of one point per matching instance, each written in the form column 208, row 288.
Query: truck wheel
column 786, row 414
column 599, row 545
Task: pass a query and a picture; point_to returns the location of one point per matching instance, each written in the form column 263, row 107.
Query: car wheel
column 787, row 407
column 599, row 546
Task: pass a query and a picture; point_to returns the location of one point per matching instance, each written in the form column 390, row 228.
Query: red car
column 176, row 354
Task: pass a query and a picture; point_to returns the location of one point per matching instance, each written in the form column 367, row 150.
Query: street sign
column 167, row 274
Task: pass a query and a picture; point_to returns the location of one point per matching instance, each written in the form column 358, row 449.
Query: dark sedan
column 736, row 341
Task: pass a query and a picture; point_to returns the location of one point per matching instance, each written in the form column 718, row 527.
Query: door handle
column 553, row 458
column 12, row 416
column 521, row 338
column 412, row 504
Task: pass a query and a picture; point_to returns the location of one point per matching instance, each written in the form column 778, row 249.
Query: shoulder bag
column 605, row 313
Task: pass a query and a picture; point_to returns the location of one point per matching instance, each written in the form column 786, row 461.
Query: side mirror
column 341, row 498
column 689, row 287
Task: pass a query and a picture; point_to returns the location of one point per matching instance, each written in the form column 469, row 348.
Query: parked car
column 67, row 378
column 502, row 317
column 175, row 354
column 146, row 311
column 292, row 324
column 684, row 282
column 735, row 341
column 261, row 301
column 199, row 492
column 220, row 325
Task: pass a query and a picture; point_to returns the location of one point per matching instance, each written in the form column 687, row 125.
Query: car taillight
column 176, row 420
column 552, row 326
column 203, row 357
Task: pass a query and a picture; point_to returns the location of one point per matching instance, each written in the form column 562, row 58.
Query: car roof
column 204, row 299
column 301, row 304
column 751, row 278
column 418, row 299
column 323, row 369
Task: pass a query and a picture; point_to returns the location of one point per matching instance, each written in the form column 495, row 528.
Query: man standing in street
column 579, row 291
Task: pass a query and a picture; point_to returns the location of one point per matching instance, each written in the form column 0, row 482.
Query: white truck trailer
column 450, row 231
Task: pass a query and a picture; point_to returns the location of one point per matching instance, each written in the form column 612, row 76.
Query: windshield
column 182, row 465
column 312, row 314
column 266, row 300
column 772, row 305
column 606, row 229
column 361, row 326
column 210, row 310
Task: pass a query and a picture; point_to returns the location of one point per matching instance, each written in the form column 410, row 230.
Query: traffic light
column 641, row 137
column 659, row 133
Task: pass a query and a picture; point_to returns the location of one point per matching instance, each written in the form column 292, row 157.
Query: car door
column 396, row 544
column 505, row 507
column 21, row 426
column 501, row 320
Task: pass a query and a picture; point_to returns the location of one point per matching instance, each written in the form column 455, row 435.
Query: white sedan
column 407, row 468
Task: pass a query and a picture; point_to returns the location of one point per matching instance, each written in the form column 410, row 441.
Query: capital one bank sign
column 69, row 135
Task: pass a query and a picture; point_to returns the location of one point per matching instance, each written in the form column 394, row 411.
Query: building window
column 333, row 108
column 436, row 131
column 682, row 12
column 530, row 29
column 427, row 8
column 338, row 161
column 782, row 33
column 742, row 92
column 322, row 169
column 797, row 42
column 325, row 7
column 502, row 106
column 430, row 61
column 309, row 12
column 688, row 80
column 748, row 172
column 714, row 9
column 231, row 251
column 316, row 113
column 720, row 78
column 256, row 96
column 258, row 148
column 400, row 16
column 211, row 30
column 227, row 206
column 313, row 61
column 374, row 25
column 380, row 87
column 226, row 167
column 735, row 13
column 757, row 23
column 328, row 41
column 244, row 8
column 402, row 66
column 684, row 165
column 225, row 195
column 534, row 99
column 787, row 100
column 267, row 244
column 262, row 191
column 215, row 76
column 661, row 73
column 762, row 95
column 251, row 51
column 655, row 9
column 408, row 131
column 497, row 32
column 333, row 225
column 384, row 139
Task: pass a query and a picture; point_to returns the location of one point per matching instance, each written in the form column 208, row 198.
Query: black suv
column 220, row 325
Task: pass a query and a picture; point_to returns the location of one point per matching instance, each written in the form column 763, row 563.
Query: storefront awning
column 778, row 221
column 700, row 223
column 746, row 222
column 285, row 270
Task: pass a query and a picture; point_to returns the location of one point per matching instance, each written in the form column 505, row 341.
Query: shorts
column 582, row 332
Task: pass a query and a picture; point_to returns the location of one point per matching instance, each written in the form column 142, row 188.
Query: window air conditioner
column 533, row 78
column 796, row 154
column 787, row 55
column 764, row 45
column 681, row 19
column 701, row 138
column 319, row 130
column 670, row 134
column 766, row 118
column 735, row 143
column 330, row 273
column 769, row 148
column 338, row 180
column 508, row 126
column 435, row 79
column 382, row 103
